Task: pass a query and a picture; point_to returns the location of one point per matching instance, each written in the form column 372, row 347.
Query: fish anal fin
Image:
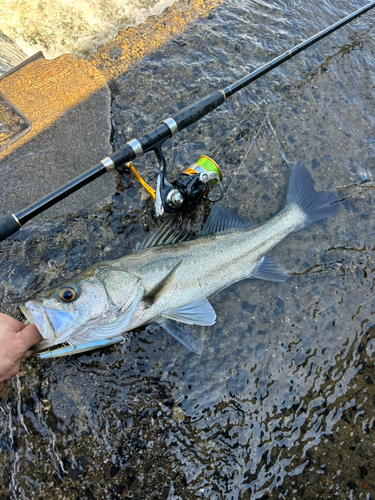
column 199, row 312
column 270, row 270
column 152, row 296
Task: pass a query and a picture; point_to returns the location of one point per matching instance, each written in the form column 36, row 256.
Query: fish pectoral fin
column 152, row 296
column 270, row 270
column 199, row 312
column 186, row 337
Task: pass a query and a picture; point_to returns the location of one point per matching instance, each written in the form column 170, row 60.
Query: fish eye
column 67, row 294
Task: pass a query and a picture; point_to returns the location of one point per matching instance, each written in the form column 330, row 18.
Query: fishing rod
column 198, row 180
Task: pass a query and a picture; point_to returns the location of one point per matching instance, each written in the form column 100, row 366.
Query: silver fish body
column 209, row 264
column 170, row 283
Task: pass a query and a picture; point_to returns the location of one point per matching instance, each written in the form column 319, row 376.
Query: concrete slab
column 68, row 102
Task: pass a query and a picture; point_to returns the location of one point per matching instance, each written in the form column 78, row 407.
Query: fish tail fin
column 300, row 191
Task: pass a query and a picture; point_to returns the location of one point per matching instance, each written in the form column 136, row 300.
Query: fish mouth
column 36, row 314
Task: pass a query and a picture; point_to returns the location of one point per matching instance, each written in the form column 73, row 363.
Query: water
column 10, row 54
column 62, row 27
column 280, row 403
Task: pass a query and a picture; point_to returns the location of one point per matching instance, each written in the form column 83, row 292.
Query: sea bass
column 168, row 281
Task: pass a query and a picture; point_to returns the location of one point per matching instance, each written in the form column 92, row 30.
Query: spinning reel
column 201, row 179
column 196, row 181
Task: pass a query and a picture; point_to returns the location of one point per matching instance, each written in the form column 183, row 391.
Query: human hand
column 15, row 342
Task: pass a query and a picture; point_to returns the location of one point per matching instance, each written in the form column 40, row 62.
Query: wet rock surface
column 67, row 102
column 280, row 403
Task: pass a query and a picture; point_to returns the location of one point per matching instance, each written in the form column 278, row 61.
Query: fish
column 168, row 280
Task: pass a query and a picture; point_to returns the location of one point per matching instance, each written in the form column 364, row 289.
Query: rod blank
column 149, row 141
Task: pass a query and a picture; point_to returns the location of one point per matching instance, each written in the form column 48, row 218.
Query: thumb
column 31, row 336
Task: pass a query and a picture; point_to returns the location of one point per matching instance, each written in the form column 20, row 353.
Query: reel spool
column 200, row 179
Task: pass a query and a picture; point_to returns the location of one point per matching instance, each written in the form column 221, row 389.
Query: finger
column 12, row 323
column 28, row 353
column 12, row 372
column 1, row 386
column 31, row 336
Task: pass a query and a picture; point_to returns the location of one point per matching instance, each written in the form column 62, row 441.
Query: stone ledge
column 68, row 102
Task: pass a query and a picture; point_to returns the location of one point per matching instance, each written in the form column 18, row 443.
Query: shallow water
column 280, row 403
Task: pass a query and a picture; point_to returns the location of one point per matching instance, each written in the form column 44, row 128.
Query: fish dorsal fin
column 183, row 335
column 270, row 270
column 167, row 233
column 220, row 220
column 152, row 296
column 199, row 312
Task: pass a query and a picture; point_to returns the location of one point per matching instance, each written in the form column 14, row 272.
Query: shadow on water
column 280, row 403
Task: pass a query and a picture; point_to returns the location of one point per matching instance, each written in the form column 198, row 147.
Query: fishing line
column 261, row 102
column 255, row 108
column 266, row 118
column 275, row 89
column 186, row 191
column 281, row 151
column 247, row 152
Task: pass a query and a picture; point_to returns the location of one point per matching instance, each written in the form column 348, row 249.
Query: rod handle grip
column 198, row 110
column 8, row 226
